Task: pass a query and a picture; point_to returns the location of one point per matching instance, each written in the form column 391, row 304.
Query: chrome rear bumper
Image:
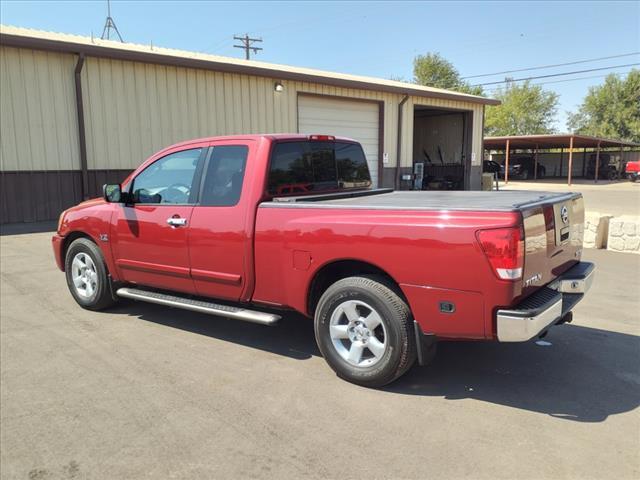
column 546, row 307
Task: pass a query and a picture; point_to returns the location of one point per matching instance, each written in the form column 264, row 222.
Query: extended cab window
column 225, row 174
column 312, row 166
column 168, row 180
column 353, row 171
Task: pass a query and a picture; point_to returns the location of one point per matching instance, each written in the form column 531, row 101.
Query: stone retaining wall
column 619, row 234
column 624, row 234
column 596, row 230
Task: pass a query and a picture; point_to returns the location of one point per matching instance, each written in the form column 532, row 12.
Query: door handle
column 177, row 221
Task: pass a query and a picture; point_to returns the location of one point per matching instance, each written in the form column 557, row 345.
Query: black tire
column 612, row 175
column 400, row 351
column 100, row 296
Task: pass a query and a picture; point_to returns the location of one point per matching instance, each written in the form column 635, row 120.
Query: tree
column 611, row 109
column 399, row 78
column 525, row 110
column 433, row 70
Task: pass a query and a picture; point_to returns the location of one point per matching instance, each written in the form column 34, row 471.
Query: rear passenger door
column 219, row 237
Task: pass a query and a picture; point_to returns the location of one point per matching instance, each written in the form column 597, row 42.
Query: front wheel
column 87, row 275
column 364, row 330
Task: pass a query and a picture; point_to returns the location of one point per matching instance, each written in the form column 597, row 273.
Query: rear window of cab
column 303, row 167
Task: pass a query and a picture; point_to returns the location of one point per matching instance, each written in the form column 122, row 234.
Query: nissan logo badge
column 564, row 214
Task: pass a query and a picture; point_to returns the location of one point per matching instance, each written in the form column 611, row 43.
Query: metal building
column 77, row 112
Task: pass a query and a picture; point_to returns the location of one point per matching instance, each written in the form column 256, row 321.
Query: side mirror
column 112, row 193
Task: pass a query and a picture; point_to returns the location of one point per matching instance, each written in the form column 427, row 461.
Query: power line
column 247, row 45
column 554, row 75
column 494, row 90
column 552, row 66
column 219, row 45
column 584, row 78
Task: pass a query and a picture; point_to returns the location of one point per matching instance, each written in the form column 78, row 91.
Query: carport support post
column 506, row 163
column 621, row 163
column 595, row 178
column 535, row 163
column 570, row 161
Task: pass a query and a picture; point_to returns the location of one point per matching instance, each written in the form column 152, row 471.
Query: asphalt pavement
column 143, row 391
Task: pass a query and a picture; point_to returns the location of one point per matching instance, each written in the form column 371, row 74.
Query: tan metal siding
column 37, row 111
column 478, row 135
column 149, row 107
column 134, row 109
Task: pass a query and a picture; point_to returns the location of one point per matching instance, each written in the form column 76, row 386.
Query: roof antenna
column 110, row 25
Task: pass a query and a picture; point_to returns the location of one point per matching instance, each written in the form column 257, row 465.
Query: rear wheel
column 365, row 331
column 87, row 276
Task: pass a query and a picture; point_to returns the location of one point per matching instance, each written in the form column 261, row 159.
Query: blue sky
column 374, row 38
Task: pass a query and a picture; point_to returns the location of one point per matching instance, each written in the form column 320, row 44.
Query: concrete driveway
column 145, row 391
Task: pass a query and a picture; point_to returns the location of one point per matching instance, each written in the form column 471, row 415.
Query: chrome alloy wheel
column 358, row 333
column 84, row 275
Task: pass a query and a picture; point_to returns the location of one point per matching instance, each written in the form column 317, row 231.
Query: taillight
column 322, row 138
column 504, row 248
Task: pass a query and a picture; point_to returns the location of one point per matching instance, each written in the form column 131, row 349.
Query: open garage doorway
column 441, row 148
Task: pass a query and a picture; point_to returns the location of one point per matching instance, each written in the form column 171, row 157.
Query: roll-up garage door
column 345, row 118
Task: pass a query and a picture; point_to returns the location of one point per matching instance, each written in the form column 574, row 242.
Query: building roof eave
column 106, row 49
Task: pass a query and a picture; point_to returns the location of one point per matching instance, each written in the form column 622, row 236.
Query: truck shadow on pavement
column 585, row 375
column 292, row 337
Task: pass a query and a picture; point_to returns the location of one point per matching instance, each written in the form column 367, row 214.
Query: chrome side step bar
column 237, row 313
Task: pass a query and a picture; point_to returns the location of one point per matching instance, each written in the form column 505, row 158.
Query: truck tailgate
column 553, row 232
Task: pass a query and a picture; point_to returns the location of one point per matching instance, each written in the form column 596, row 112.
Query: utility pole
column 247, row 45
column 110, row 25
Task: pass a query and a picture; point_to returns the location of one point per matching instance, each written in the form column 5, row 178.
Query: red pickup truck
column 222, row 226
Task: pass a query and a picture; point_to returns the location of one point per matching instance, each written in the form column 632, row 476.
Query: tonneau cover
column 507, row 200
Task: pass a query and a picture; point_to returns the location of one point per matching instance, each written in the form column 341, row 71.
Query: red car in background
column 633, row 170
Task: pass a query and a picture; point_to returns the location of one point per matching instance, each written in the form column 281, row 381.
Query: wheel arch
column 70, row 238
column 335, row 270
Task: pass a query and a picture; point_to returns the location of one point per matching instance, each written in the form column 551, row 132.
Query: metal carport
column 549, row 142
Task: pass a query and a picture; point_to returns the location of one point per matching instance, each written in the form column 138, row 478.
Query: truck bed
column 386, row 199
